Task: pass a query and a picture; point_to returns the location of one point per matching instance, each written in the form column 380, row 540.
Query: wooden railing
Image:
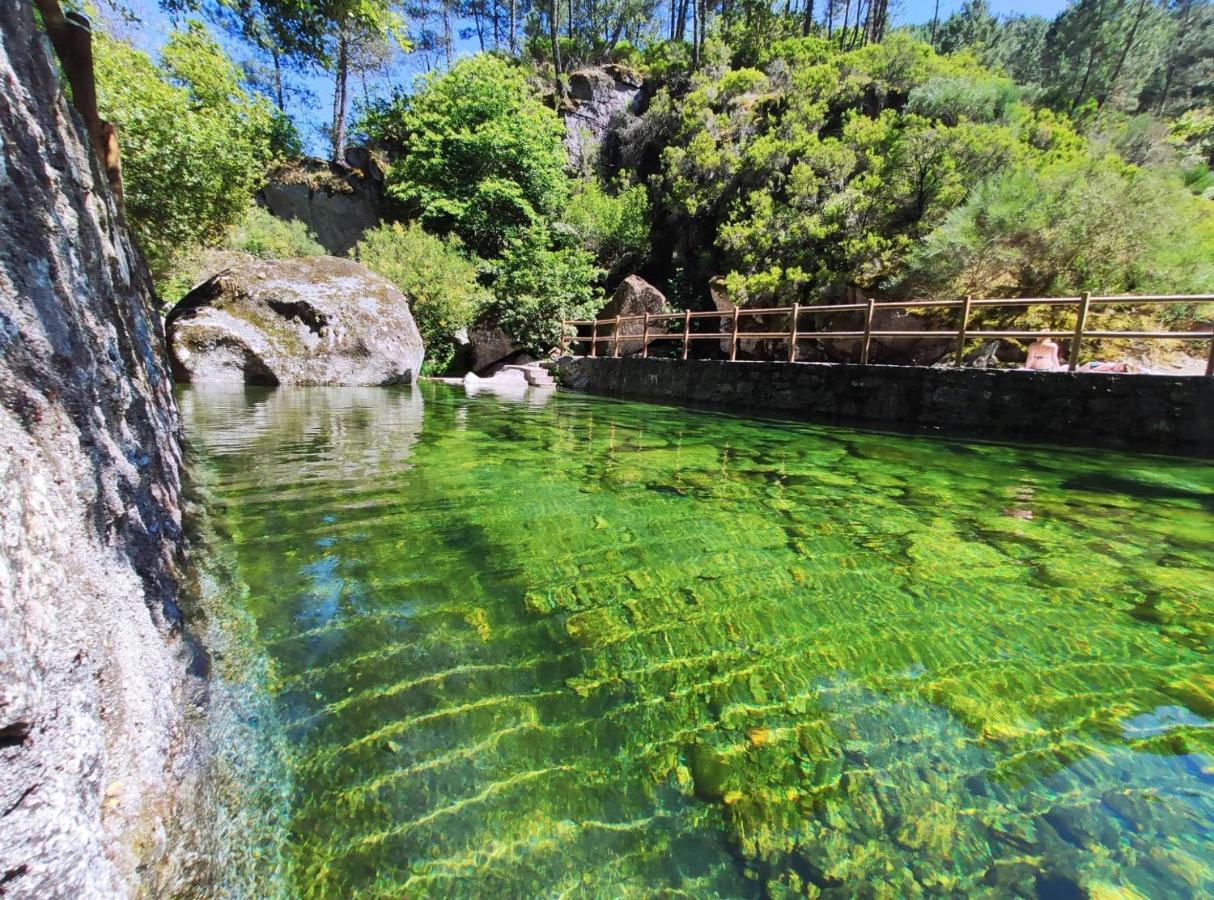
column 1075, row 336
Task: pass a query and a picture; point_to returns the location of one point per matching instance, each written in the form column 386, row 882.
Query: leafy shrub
column 194, row 145
column 258, row 233
column 538, row 284
column 441, row 283
column 1072, row 226
column 952, row 98
column 614, row 227
column 479, row 154
column 270, row 237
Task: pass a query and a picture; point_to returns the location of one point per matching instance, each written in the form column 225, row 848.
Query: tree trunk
column 1177, row 48
column 808, row 22
column 695, row 34
column 843, row 29
column 448, row 37
column 554, row 27
column 279, row 92
column 1096, row 46
column 513, row 26
column 830, row 19
column 682, row 30
column 1125, row 51
column 342, row 70
column 935, row 22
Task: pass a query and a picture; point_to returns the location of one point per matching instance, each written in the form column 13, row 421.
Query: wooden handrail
column 960, row 335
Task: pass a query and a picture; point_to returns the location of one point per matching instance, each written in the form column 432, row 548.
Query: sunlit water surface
column 562, row 646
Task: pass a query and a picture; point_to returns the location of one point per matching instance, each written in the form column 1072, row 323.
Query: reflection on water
column 590, row 648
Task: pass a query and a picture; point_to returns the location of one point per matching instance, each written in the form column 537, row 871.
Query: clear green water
column 578, row 647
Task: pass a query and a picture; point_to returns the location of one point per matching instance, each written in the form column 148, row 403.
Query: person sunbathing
column 1043, row 356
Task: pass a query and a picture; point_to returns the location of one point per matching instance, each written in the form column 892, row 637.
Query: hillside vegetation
column 791, row 155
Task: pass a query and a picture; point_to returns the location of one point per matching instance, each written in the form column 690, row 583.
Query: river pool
column 554, row 645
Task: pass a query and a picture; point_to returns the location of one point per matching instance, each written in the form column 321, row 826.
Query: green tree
column 194, row 145
column 538, row 284
column 1077, row 224
column 612, row 226
column 480, row 155
column 442, row 284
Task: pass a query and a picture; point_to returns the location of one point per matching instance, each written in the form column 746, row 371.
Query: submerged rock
column 316, row 321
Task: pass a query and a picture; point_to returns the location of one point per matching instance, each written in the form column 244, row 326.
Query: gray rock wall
column 92, row 670
column 338, row 205
column 1154, row 410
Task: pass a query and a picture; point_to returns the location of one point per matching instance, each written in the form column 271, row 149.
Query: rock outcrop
column 490, row 348
column 316, row 320
column 93, row 670
column 597, row 96
column 634, row 297
column 337, row 204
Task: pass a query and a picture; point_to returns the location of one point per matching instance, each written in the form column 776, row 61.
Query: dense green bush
column 1076, row 225
column 258, row 233
column 440, row 282
column 478, row 154
column 270, row 237
column 539, row 284
column 614, row 227
column 829, row 169
column 194, row 145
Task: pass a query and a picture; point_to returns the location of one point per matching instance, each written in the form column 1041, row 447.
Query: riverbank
column 1166, row 412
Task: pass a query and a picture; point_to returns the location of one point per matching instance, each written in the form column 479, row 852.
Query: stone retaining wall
column 1157, row 410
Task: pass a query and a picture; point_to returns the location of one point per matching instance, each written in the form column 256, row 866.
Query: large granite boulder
column 95, row 743
column 317, row 320
column 634, row 297
column 490, row 348
column 337, row 203
column 598, row 97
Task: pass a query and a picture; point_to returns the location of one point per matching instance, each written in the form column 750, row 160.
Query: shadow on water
column 548, row 645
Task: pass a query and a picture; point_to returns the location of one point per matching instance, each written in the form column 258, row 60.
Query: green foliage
column 821, row 173
column 1075, row 225
column 270, row 237
column 614, row 227
column 479, row 154
column 194, row 145
column 949, row 99
column 258, row 233
column 538, row 284
column 441, row 283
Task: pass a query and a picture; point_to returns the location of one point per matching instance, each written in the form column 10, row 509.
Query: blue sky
column 152, row 26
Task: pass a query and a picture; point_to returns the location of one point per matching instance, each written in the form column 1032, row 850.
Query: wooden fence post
column 686, row 332
column 1081, row 319
column 965, row 324
column 645, row 338
column 792, row 333
column 868, row 332
column 733, row 344
column 594, row 338
column 560, row 346
column 615, row 340
column 1210, row 358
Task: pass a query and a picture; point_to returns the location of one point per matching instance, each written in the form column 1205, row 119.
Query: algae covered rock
column 314, row 321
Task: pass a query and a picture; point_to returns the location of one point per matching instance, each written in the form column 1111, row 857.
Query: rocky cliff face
column 598, row 97
column 337, row 204
column 93, row 674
